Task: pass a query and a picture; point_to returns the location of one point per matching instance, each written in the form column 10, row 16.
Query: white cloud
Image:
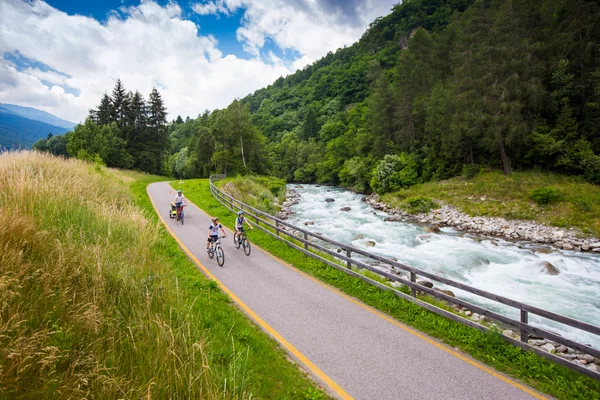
column 149, row 46
column 310, row 27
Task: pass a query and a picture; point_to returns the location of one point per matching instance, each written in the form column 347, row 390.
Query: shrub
column 419, row 204
column 544, row 195
column 395, row 172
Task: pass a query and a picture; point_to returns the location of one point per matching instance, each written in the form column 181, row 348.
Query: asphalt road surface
column 355, row 351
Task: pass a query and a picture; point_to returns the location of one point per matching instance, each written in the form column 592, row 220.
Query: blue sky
column 222, row 27
column 61, row 56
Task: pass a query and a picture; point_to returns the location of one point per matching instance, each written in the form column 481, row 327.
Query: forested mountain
column 38, row 115
column 435, row 89
column 21, row 130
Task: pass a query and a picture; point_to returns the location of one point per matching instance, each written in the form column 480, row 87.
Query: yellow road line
column 276, row 335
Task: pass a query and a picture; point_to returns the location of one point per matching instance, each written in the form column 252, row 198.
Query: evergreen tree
column 120, row 107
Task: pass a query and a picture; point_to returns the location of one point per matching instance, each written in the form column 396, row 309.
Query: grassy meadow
column 97, row 301
column 575, row 203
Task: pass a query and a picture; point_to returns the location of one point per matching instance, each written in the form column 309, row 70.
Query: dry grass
column 87, row 310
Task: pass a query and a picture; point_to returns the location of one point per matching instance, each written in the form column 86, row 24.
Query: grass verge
column 97, row 300
column 489, row 348
column 576, row 203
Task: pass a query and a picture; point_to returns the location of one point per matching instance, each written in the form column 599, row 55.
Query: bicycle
column 242, row 240
column 215, row 248
column 180, row 214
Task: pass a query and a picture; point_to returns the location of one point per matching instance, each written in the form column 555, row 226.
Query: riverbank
column 514, row 230
column 548, row 200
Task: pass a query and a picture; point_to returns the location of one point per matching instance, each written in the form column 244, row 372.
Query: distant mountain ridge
column 38, row 115
column 21, row 127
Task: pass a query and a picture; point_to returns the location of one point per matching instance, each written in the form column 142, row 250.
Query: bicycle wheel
column 236, row 241
column 246, row 244
column 211, row 251
column 220, row 256
column 181, row 217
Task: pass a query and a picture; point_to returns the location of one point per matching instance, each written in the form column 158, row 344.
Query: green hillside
column 434, row 90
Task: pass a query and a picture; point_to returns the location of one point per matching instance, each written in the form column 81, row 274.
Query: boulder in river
column 371, row 243
column 433, row 228
column 548, row 268
column 394, row 218
column 425, row 283
column 345, row 208
column 309, row 222
column 329, row 200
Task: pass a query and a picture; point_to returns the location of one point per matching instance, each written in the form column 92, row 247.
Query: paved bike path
column 366, row 354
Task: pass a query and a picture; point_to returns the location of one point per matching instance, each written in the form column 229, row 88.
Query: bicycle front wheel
column 220, row 256
column 181, row 217
column 246, row 244
column 236, row 240
column 211, row 251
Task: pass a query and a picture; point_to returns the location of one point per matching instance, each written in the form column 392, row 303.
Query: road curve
column 356, row 351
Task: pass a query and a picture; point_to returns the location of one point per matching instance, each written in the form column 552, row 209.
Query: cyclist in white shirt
column 213, row 232
column 179, row 202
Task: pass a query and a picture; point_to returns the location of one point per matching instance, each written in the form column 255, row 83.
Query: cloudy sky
column 62, row 55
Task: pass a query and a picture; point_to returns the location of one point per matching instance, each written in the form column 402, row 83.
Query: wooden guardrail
column 315, row 246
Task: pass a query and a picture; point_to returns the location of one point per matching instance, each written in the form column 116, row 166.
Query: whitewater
column 492, row 264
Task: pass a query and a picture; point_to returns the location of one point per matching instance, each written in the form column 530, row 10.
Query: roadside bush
column 419, row 204
column 544, row 196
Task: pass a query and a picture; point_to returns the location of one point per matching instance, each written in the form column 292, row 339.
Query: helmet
column 240, row 212
column 179, row 191
column 215, row 219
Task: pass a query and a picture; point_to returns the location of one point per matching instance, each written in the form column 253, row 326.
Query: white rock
column 590, row 359
column 468, row 313
column 594, row 367
column 561, row 349
column 549, row 348
column 507, row 332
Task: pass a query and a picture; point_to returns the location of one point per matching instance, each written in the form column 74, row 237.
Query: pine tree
column 120, row 106
column 381, row 115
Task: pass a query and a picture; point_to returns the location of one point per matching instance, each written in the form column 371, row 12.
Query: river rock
column 425, row 283
column 394, row 218
column 594, row 368
column 329, row 200
column 595, row 245
column 360, row 236
column 585, row 247
column 567, row 246
column 548, row 268
column 309, row 222
column 432, row 229
column 543, row 250
column 371, row 243
column 561, row 349
column 299, row 187
column 588, row 358
column 345, row 208
column 549, row 348
column 507, row 332
column 447, row 292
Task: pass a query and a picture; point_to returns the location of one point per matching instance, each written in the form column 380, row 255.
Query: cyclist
column 213, row 232
column 179, row 202
column 239, row 224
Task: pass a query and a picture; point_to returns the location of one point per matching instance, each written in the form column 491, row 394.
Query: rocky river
column 543, row 266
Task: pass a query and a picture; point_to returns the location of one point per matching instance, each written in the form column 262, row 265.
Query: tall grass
column 90, row 306
column 260, row 192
